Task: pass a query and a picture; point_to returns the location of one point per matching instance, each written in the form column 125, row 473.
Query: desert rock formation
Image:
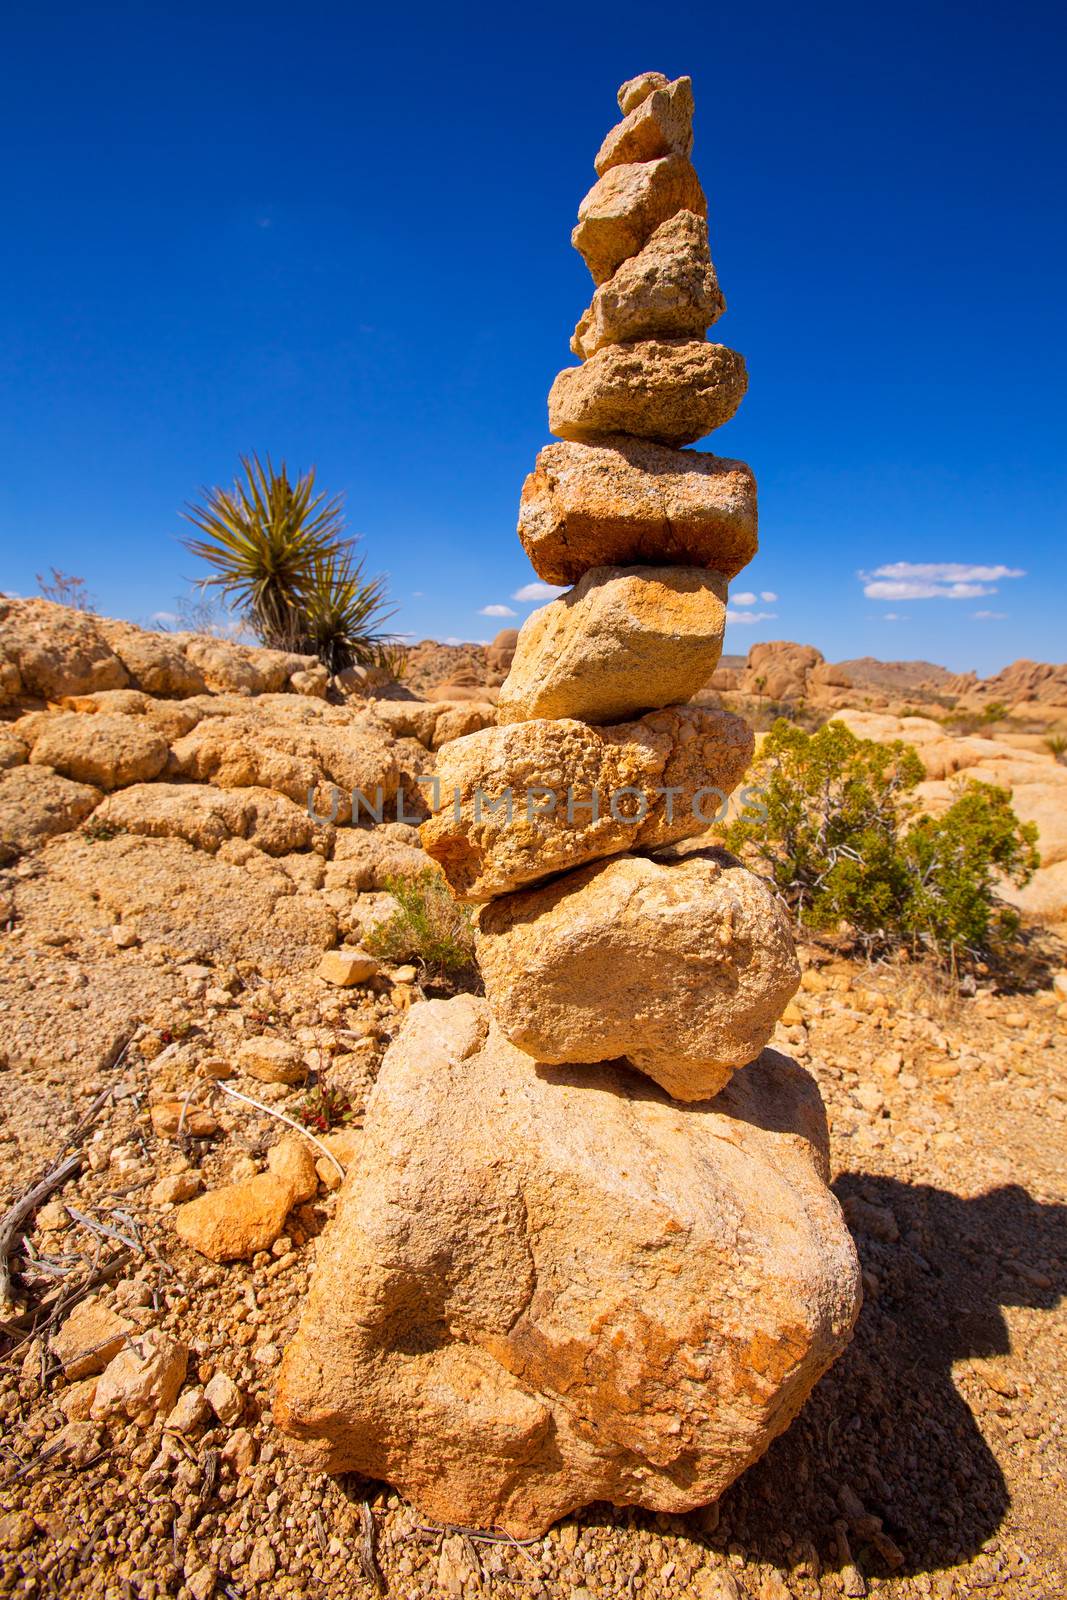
column 548, row 1283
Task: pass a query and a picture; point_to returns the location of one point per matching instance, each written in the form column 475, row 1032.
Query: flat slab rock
column 545, row 1287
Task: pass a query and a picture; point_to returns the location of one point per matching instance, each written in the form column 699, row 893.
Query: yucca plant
column 263, row 539
column 342, row 612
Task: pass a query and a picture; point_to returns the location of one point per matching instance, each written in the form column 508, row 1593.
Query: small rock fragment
column 143, row 1379
column 272, row 1060
column 224, row 1398
column 347, row 967
column 234, row 1222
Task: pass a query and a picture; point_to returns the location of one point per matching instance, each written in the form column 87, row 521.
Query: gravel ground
column 929, row 1461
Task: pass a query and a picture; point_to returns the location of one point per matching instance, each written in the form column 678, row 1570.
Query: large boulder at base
column 681, row 965
column 672, row 391
column 624, row 640
column 1044, row 898
column 661, row 125
column 667, row 291
column 627, row 205
column 519, row 803
column 546, row 1287
column 108, row 751
column 625, row 501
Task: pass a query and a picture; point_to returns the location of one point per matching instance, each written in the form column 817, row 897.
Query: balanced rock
column 659, row 125
column 626, row 206
column 681, row 966
column 668, row 290
column 546, row 1287
column 634, row 90
column 625, row 500
column 672, row 391
column 624, row 640
column 518, row 803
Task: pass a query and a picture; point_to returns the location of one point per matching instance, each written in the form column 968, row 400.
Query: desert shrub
column 1056, row 744
column 844, row 843
column 66, row 590
column 279, row 556
column 428, row 926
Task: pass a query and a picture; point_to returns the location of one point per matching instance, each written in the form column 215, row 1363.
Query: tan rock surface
column 635, row 90
column 56, row 651
column 545, row 1288
column 293, row 1160
column 272, row 1060
column 682, row 966
column 671, row 391
column 37, row 804
column 206, row 816
column 89, row 1338
column 143, row 1380
column 698, row 756
column 626, row 206
column 156, row 662
column 669, row 290
column 622, row 641
column 234, row 1222
column 627, row 501
column 661, row 124
column 107, row 751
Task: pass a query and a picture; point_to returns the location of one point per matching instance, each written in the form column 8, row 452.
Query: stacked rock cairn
column 588, row 1251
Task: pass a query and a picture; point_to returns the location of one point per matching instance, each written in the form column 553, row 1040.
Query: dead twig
column 280, row 1116
column 104, row 1229
column 368, row 1560
column 14, row 1220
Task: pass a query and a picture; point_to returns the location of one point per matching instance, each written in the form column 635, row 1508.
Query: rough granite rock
column 36, row 804
column 659, row 779
column 672, row 391
column 626, row 206
column 622, row 641
column 156, row 662
column 232, row 1223
column 682, row 965
column 667, row 291
column 625, row 501
column 56, row 650
column 660, row 125
column 107, row 751
column 546, row 1287
column 634, row 90
column 207, row 817
column 143, row 1380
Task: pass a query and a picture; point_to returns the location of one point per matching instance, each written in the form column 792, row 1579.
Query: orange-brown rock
column 683, row 966
column 547, row 1286
column 671, row 391
column 107, row 751
column 622, row 641
column 626, row 501
column 661, row 124
column 232, row 1223
column 516, row 804
column 626, row 206
column 667, row 291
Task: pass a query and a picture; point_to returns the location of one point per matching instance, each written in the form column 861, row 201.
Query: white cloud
column 750, row 616
column 745, row 599
column 538, row 591
column 164, row 616
column 452, row 639
column 989, row 616
column 934, row 580
column 417, row 594
column 496, row 611
column 768, row 596
column 894, row 616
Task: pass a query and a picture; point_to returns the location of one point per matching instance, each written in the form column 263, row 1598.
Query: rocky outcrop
column 550, row 1285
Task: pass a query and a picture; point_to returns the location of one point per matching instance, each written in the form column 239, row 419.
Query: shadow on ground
column 888, row 1420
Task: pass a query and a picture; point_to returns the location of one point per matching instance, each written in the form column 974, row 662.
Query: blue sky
column 342, row 236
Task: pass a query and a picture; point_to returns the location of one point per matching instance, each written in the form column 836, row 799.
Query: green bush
column 844, row 843
column 428, row 926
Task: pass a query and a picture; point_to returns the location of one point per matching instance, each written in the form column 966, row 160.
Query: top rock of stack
column 660, row 125
column 634, row 90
